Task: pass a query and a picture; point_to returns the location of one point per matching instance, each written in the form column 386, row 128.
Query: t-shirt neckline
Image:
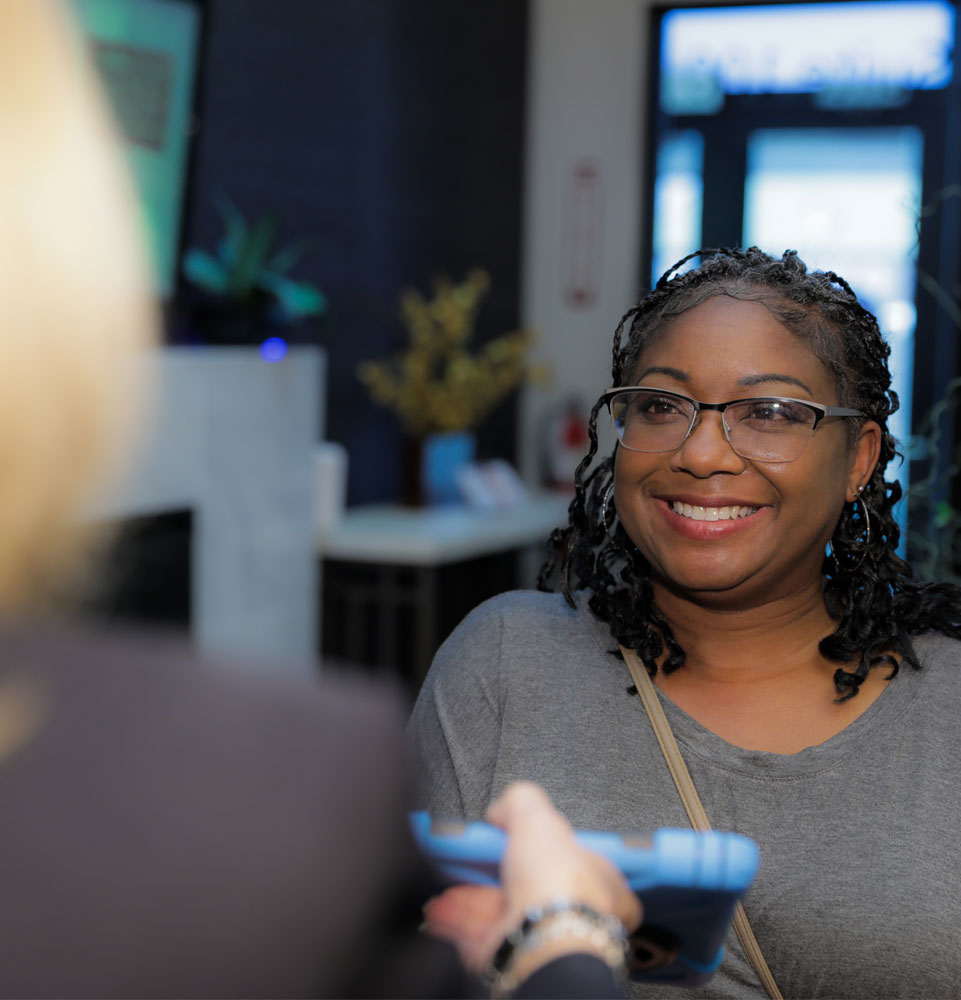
column 694, row 738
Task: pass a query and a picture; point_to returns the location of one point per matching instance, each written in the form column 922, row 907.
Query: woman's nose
column 706, row 450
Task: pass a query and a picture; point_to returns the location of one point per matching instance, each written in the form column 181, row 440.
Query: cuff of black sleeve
column 572, row 977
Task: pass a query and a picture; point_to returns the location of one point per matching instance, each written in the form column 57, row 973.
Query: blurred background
column 393, row 239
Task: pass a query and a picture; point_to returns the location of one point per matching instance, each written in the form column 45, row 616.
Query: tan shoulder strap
column 693, row 806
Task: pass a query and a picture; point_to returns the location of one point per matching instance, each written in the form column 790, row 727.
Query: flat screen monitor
column 147, row 52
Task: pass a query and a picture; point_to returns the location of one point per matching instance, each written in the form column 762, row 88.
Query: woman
column 171, row 828
column 747, row 552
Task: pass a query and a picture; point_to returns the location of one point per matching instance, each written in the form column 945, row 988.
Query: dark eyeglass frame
column 820, row 411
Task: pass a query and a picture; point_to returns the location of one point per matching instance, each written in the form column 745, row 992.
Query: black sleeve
column 572, row 976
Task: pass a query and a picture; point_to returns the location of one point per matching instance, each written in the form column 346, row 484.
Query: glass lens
column 769, row 430
column 651, row 421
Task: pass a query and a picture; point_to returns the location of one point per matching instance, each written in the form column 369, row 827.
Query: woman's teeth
column 711, row 513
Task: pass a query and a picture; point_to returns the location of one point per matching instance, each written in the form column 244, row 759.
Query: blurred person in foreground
column 171, row 828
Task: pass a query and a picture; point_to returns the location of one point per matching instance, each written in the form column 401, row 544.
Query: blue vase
column 443, row 455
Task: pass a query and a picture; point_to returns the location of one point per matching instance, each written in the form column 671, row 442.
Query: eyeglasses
column 760, row 429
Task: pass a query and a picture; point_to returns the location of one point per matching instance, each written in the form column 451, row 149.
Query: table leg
column 425, row 635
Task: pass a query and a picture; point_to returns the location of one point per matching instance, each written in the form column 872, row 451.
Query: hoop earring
column 865, row 545
column 607, row 507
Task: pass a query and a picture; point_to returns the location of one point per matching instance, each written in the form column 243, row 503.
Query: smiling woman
column 740, row 540
column 794, row 484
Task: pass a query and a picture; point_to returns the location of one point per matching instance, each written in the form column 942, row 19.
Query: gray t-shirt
column 859, row 892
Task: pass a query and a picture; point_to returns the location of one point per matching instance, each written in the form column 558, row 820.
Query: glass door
column 831, row 129
column 847, row 200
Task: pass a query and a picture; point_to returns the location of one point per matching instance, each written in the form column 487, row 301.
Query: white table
column 404, row 548
column 432, row 536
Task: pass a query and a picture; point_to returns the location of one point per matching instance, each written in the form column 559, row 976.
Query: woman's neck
column 755, row 676
column 739, row 643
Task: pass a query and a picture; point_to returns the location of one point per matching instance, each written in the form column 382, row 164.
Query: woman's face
column 719, row 350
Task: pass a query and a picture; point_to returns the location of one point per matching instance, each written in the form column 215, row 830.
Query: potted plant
column 243, row 291
column 439, row 387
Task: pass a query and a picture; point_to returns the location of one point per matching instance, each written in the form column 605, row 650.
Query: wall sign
column 582, row 237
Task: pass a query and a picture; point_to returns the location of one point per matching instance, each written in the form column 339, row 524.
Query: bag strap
column 694, row 807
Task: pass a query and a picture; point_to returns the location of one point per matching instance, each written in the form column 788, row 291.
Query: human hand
column 465, row 915
column 542, row 862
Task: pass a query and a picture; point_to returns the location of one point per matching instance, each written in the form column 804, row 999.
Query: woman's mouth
column 727, row 513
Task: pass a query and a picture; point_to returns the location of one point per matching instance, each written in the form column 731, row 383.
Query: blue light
column 273, row 348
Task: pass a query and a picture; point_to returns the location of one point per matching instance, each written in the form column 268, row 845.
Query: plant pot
column 429, row 467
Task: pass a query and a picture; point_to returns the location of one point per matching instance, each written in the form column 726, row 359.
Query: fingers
column 544, row 861
column 525, row 802
column 627, row 906
column 466, row 915
column 465, row 906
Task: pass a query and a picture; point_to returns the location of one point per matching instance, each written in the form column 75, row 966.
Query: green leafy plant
column 249, row 269
column 934, row 525
column 933, row 535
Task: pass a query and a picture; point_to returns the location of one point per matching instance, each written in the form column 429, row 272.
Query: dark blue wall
column 393, row 131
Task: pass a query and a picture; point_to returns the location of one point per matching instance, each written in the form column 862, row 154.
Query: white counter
column 232, row 440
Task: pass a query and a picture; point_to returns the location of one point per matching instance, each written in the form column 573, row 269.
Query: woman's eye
column 773, row 411
column 658, row 406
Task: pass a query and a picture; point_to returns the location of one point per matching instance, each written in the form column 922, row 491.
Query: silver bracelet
column 603, row 935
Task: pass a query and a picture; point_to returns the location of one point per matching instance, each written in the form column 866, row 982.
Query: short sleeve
column 454, row 731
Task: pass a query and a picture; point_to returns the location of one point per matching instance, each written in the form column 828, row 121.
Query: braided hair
column 874, row 596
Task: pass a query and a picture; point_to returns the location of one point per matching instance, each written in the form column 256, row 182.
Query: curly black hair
column 871, row 593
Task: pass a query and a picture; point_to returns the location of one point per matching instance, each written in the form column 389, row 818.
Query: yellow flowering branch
column 437, row 383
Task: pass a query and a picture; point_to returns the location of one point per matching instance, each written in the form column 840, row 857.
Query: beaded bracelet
column 603, row 934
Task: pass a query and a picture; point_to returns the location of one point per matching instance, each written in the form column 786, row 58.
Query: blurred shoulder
column 160, row 723
column 132, row 679
column 243, row 819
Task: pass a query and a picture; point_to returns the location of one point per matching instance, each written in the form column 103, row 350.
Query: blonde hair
column 75, row 302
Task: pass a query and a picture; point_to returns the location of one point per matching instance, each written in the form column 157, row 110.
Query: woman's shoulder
column 937, row 653
column 543, row 613
column 936, row 685
column 519, row 627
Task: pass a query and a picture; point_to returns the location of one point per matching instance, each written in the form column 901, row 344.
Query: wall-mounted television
column 147, row 52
